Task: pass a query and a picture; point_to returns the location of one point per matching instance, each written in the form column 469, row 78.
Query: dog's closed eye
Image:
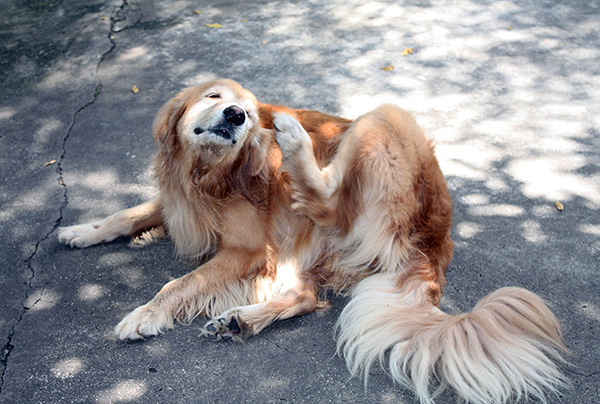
column 213, row 95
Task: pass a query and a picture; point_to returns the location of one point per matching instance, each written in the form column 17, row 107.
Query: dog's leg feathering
column 294, row 297
column 124, row 223
column 231, row 278
column 244, row 321
column 504, row 349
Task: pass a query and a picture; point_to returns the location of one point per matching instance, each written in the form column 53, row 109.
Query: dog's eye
column 213, row 95
column 198, row 131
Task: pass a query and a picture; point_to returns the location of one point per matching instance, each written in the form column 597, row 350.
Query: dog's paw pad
column 226, row 326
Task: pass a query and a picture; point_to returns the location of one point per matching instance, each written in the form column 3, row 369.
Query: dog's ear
column 259, row 146
column 165, row 123
column 248, row 174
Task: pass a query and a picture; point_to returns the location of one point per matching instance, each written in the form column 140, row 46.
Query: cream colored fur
column 504, row 349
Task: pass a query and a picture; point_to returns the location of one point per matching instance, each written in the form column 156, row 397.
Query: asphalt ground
column 510, row 91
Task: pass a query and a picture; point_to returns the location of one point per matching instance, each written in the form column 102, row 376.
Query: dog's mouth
column 225, row 131
column 232, row 118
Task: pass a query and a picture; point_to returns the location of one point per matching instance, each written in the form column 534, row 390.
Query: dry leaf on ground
column 559, row 205
column 388, row 68
column 407, row 51
column 49, row 163
column 215, row 25
column 135, row 89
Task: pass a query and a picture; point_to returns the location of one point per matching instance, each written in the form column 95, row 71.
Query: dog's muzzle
column 232, row 118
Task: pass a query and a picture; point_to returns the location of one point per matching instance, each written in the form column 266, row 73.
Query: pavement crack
column 288, row 350
column 584, row 374
column 123, row 13
column 8, row 347
column 97, row 91
column 278, row 345
column 6, row 350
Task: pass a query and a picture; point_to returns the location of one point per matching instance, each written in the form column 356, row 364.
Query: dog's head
column 211, row 132
column 213, row 119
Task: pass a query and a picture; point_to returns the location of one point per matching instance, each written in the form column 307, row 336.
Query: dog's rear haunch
column 287, row 204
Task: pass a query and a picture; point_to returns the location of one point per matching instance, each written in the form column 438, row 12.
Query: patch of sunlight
column 122, row 392
column 45, row 130
column 30, row 201
column 134, row 53
column 554, row 179
column 56, row 79
column 475, row 199
column 593, row 229
column 131, row 276
column 496, row 183
column 287, row 277
column 496, row 128
column 199, row 78
column 90, row 292
column 589, row 310
column 505, row 210
column 273, row 383
column 67, row 368
column 467, row 230
column 98, row 180
column 7, row 112
column 354, row 106
column 543, row 211
column 41, row 299
column 158, row 349
column 476, row 155
column 471, row 161
column 389, row 397
column 532, row 232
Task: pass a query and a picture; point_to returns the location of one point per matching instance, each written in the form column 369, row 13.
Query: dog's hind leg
column 124, row 223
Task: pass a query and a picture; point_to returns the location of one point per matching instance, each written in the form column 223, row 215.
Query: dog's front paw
column 145, row 321
column 226, row 326
column 290, row 135
column 82, row 235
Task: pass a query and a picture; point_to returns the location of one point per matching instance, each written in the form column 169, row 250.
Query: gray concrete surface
column 510, row 90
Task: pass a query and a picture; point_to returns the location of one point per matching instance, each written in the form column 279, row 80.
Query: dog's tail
column 505, row 348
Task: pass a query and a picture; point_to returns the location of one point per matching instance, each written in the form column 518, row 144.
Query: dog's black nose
column 234, row 115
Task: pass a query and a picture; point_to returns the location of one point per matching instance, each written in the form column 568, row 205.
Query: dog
column 282, row 205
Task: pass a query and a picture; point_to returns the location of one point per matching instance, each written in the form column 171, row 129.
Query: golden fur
column 282, row 205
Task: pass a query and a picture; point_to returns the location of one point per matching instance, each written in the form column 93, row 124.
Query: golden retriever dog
column 281, row 206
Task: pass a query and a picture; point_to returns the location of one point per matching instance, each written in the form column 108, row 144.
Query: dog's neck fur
column 196, row 207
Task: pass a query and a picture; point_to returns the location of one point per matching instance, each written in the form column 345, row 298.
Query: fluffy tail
column 505, row 348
